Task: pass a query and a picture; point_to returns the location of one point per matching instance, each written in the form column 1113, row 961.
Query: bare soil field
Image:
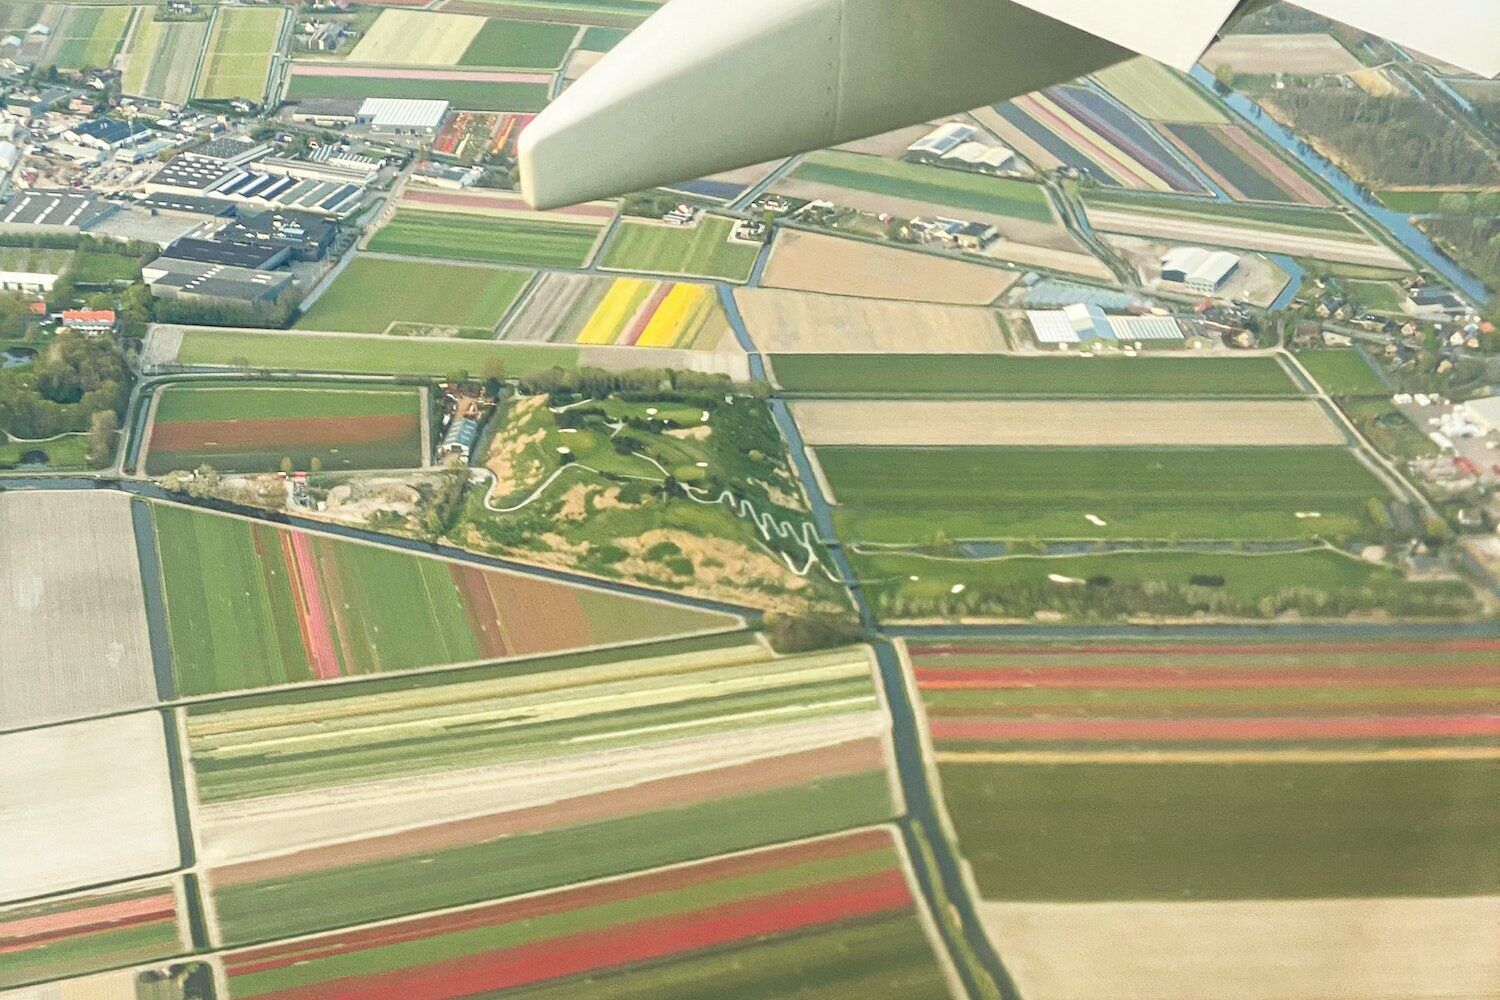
column 783, row 322
column 1064, row 423
column 97, row 808
column 1313, row 54
column 416, row 38
column 1333, row 949
column 503, row 206
column 1071, row 261
column 813, row 262
column 117, row 985
column 1215, row 233
column 72, row 617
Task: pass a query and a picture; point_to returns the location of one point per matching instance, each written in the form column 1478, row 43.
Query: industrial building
column 1483, row 413
column 401, row 116
column 203, row 251
column 1202, row 271
column 195, row 279
column 955, row 144
column 1080, row 323
column 107, row 133
column 273, row 183
column 53, row 210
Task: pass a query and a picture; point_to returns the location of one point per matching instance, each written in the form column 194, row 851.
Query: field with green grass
column 163, row 58
column 88, row 932
column 1379, row 296
column 596, row 39
column 251, row 605
column 464, row 95
column 66, row 451
column 1343, row 372
column 93, row 267
column 519, row 44
column 1153, row 91
column 240, row 47
column 487, row 239
column 935, row 185
column 256, row 427
column 895, row 495
column 87, row 37
column 1387, row 428
column 362, row 355
column 998, row 375
column 703, row 250
column 1414, row 202
column 373, row 295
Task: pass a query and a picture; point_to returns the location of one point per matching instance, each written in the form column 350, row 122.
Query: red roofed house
column 90, row 320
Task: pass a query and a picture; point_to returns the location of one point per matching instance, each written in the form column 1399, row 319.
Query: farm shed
column 1199, row 269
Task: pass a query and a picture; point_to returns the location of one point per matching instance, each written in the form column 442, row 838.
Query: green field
column 367, row 355
column 464, row 95
column 1343, row 372
column 66, row 451
column 163, row 59
column 87, row 37
column 1387, row 428
column 701, row 251
column 1291, row 218
column 254, row 427
column 1227, row 831
column 93, row 267
column 1378, row 296
column 1153, row 91
column 240, row 47
column 896, row 495
column 519, row 45
column 491, row 240
column 1414, row 202
column 934, row 185
column 372, row 295
column 598, row 39
column 998, row 375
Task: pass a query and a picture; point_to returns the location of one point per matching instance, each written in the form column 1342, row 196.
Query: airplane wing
column 710, row 85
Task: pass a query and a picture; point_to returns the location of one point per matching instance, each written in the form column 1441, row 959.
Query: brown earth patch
column 261, row 433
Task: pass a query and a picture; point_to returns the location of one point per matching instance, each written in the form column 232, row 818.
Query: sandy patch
column 1064, row 423
column 782, row 322
column 97, row 805
column 1360, row 949
column 415, row 38
column 73, row 637
column 813, row 262
column 118, row 985
column 1302, row 55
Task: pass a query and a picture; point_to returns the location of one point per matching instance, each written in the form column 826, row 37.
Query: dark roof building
column 195, row 279
column 55, row 209
column 108, row 133
column 201, row 251
column 186, row 204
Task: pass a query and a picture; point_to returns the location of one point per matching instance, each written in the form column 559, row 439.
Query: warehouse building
column 402, row 116
column 51, row 211
column 196, row 279
column 1202, row 271
column 201, row 251
column 1082, row 323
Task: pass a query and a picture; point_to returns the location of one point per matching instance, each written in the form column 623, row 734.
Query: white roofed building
column 1202, row 271
column 401, row 116
column 940, row 141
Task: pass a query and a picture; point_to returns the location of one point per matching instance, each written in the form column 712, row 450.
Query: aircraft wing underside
column 709, row 85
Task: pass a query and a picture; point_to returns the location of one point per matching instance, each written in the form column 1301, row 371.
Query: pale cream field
column 1215, row 233
column 97, row 805
column 813, row 262
column 1336, row 949
column 1098, row 423
column 73, row 637
column 1314, row 54
column 416, row 38
column 118, row 985
column 782, row 322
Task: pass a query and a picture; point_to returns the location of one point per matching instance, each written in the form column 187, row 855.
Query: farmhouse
column 1201, row 270
column 89, row 320
column 397, row 116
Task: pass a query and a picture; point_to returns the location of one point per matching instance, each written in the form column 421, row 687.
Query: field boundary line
column 1291, row 755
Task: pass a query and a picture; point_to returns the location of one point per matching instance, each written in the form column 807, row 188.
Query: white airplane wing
column 710, row 85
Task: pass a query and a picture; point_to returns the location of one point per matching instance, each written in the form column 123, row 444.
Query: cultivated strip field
column 1005, row 375
column 493, row 240
column 782, row 322
column 465, row 89
column 251, row 605
column 755, row 926
column 1065, row 423
column 520, row 44
column 1157, row 93
column 87, row 37
column 240, row 48
column 321, row 809
column 1242, row 166
column 252, row 428
column 416, row 38
column 171, row 981
column 630, row 312
column 376, row 295
column 162, row 59
column 74, row 935
column 814, row 262
column 500, row 204
column 904, row 495
column 1313, row 54
column 72, row 619
column 98, row 805
column 702, row 250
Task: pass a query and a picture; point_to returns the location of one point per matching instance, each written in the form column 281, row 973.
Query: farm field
column 240, row 47
column 359, row 355
column 1138, row 492
column 254, row 427
column 503, row 204
column 1242, row 166
column 1288, row 219
column 1157, row 93
column 83, row 583
column 520, row 44
column 465, row 89
column 95, row 267
column 74, row 935
column 1095, row 423
column 1075, row 126
column 814, row 262
column 87, row 37
column 251, row 605
column 489, row 240
column 64, row 451
column 1312, row 54
column 162, row 59
column 1343, row 372
column 782, row 322
column 417, row 38
column 1378, row 296
column 997, row 196
column 631, row 312
column 99, row 807
column 525, row 780
column 755, row 925
column 1000, row 375
column 374, row 295
column 161, row 981
column 703, row 250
